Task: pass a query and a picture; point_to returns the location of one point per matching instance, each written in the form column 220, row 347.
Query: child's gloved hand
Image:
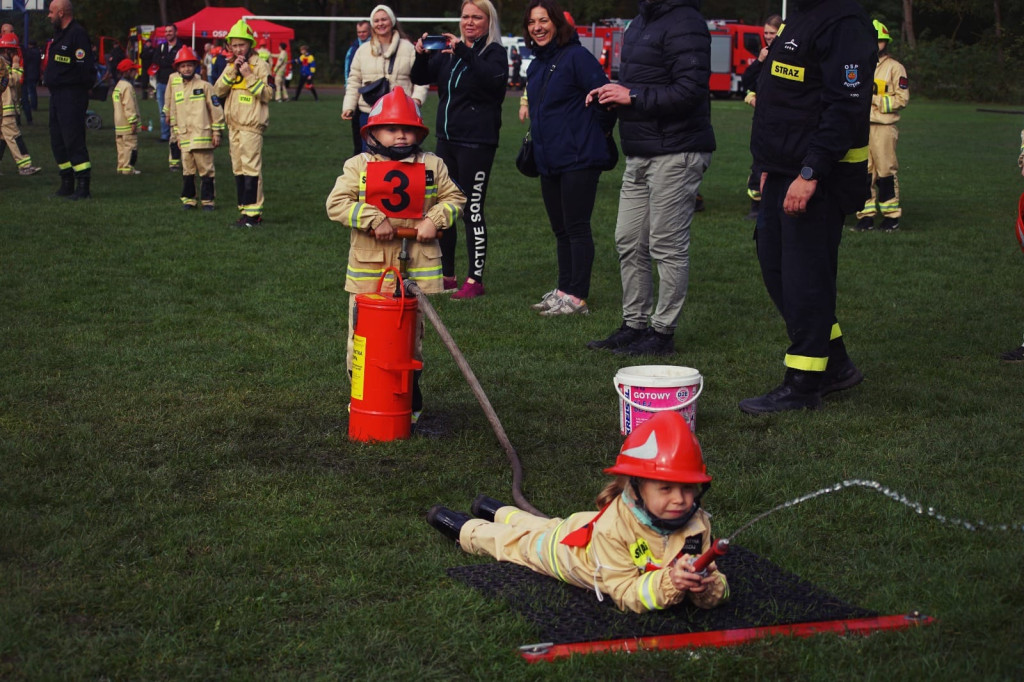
column 426, row 230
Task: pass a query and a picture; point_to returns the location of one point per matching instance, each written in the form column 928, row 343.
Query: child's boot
column 188, row 192
column 448, row 522
column 207, row 194
column 485, row 507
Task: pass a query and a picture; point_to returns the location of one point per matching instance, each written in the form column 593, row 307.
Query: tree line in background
column 953, row 49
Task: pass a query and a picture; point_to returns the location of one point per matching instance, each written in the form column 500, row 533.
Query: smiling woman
column 386, row 58
column 470, row 73
column 571, row 146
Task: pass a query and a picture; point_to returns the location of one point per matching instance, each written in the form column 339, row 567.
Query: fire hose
column 467, row 372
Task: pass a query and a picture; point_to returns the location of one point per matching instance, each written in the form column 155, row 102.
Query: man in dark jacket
column 810, row 140
column 33, row 63
column 664, row 112
column 70, row 74
column 163, row 57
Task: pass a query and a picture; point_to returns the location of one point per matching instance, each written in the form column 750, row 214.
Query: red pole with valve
column 383, row 364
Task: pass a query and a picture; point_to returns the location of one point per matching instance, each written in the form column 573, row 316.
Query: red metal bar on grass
column 720, row 638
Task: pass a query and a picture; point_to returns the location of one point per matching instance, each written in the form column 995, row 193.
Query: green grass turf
column 179, row 500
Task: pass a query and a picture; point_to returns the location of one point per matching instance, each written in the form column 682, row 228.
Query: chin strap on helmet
column 396, row 153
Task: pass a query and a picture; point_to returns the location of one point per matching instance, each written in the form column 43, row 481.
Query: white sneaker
column 565, row 306
column 547, row 301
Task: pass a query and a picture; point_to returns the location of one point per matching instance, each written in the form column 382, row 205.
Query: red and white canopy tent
column 212, row 23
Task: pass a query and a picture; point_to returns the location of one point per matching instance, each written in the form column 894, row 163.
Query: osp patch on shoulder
column 79, row 54
column 903, row 84
column 851, row 75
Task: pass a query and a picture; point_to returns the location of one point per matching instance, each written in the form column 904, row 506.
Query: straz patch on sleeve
column 787, row 71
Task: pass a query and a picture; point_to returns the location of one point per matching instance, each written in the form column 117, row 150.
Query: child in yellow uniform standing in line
column 197, row 123
column 419, row 193
column 11, row 99
column 126, row 119
column 244, row 90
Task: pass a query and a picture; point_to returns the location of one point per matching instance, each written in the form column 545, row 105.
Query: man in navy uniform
column 814, row 172
column 70, row 74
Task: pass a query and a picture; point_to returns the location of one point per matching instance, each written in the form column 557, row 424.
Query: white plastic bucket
column 646, row 390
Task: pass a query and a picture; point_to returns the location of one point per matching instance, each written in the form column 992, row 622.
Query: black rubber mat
column 761, row 594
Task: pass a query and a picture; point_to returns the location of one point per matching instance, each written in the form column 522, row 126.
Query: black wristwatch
column 808, row 173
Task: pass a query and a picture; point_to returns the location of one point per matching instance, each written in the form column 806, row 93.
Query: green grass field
column 179, row 500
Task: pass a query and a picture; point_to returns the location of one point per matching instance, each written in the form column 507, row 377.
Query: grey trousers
column 655, row 210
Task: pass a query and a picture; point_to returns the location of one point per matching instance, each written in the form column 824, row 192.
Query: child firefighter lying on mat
column 639, row 549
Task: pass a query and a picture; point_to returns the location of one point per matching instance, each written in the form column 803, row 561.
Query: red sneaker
column 469, row 290
column 450, row 284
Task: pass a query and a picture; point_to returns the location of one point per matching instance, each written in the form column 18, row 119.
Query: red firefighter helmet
column 185, row 54
column 397, row 109
column 8, row 41
column 664, row 449
column 126, row 65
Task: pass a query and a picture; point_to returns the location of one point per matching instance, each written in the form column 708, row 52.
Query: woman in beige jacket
column 386, row 55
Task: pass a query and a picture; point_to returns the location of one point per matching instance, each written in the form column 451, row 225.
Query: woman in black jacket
column 470, row 73
column 570, row 144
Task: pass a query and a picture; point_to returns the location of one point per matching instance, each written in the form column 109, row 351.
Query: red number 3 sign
column 396, row 188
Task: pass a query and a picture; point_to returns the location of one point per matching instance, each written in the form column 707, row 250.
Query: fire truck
column 734, row 46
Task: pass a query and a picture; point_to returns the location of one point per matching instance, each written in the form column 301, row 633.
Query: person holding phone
column 471, row 72
column 387, row 55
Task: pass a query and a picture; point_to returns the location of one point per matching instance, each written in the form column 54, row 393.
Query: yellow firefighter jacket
column 191, row 112
column 245, row 100
column 126, row 108
column 891, row 92
column 367, row 257
column 11, row 97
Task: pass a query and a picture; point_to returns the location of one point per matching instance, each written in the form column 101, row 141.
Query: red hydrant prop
column 383, row 364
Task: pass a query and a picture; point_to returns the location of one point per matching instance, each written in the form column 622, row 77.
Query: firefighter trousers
column 883, row 166
column 799, row 261
column 127, row 150
column 12, row 136
column 68, row 108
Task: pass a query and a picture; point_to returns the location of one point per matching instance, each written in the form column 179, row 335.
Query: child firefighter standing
column 245, row 91
column 11, row 58
column 197, row 123
column 126, row 119
column 394, row 185
column 639, row 549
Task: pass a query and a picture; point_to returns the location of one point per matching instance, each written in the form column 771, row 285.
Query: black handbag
column 525, row 162
column 371, row 92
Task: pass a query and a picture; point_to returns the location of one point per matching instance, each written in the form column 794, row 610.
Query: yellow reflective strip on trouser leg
column 836, row 332
column 552, row 552
column 82, row 167
column 805, row 363
column 64, row 166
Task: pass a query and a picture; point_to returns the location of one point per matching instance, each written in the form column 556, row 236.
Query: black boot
column 81, row 186
column 800, row 390
column 485, row 507
column 188, row 192
column 206, row 192
column 623, row 336
column 651, row 343
column 448, row 522
column 67, row 184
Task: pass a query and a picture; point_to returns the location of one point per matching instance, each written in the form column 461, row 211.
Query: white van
column 508, row 42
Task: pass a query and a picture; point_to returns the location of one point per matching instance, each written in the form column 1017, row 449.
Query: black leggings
column 569, row 200
column 470, row 168
column 302, row 81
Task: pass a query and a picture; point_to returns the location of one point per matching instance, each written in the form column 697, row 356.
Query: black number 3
column 401, row 183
